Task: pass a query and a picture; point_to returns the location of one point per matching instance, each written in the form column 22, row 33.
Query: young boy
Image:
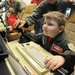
column 36, row 17
column 11, row 17
column 54, row 40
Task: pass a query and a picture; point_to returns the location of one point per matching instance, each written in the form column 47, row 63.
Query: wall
column 27, row 1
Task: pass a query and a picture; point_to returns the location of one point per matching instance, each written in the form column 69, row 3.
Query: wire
column 12, row 54
column 10, row 51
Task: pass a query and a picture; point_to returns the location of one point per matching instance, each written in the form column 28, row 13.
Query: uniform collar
column 49, row 39
column 60, row 36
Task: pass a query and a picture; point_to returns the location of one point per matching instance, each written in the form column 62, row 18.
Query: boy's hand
column 19, row 23
column 54, row 62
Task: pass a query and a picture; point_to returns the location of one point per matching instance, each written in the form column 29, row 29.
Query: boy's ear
column 61, row 29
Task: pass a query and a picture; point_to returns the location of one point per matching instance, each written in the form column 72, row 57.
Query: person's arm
column 31, row 19
column 69, row 57
column 36, row 14
column 33, row 37
column 54, row 62
column 67, row 60
column 18, row 14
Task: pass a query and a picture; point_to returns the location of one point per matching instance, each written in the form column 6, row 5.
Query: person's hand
column 19, row 23
column 54, row 62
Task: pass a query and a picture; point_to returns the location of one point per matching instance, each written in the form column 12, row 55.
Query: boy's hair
column 11, row 10
column 57, row 16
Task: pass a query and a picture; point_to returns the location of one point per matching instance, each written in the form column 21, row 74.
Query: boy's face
column 8, row 14
column 51, row 28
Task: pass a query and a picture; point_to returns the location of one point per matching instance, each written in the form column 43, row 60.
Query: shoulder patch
column 56, row 48
column 71, row 46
